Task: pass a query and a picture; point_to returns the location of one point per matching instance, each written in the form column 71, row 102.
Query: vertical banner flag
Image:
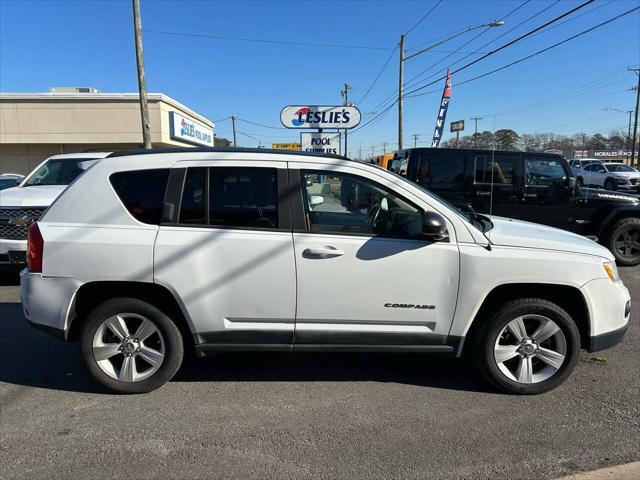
column 442, row 112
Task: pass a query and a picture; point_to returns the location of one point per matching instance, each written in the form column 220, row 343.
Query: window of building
column 142, row 192
column 342, row 203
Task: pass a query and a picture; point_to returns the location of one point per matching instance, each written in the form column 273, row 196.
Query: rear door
column 225, row 248
column 494, row 188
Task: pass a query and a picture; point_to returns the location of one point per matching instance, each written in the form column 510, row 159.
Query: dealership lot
column 318, row 415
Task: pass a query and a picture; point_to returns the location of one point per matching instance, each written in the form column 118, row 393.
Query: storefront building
column 34, row 126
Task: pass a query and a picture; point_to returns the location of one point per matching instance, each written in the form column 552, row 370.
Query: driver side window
column 341, row 203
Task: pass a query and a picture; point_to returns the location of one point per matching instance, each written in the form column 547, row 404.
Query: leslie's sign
column 320, row 116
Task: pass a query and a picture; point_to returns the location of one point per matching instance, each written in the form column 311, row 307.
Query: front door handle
column 322, row 252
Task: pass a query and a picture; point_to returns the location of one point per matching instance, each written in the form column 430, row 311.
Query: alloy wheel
column 530, row 349
column 627, row 242
column 128, row 347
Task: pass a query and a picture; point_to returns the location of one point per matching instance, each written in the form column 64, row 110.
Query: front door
column 365, row 274
column 227, row 252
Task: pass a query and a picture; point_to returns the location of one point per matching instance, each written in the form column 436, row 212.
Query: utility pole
column 400, row 91
column 415, row 139
column 233, row 122
column 360, row 152
column 384, row 147
column 635, row 124
column 142, row 82
column 372, row 154
column 475, row 136
column 345, row 102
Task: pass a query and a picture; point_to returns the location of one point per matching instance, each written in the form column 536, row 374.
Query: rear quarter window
column 142, row 193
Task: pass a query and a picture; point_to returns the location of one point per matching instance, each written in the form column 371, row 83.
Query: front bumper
column 609, row 305
column 13, row 253
column 47, row 302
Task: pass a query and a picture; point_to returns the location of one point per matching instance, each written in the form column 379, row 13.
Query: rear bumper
column 47, row 302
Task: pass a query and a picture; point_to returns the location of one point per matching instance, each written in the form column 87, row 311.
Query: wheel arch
column 567, row 297
column 615, row 215
column 92, row 294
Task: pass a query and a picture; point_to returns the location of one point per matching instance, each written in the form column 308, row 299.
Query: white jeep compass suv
column 151, row 252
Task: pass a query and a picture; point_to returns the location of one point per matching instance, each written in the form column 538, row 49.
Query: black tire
column 487, row 334
column 623, row 240
column 173, row 346
column 580, row 182
column 609, row 184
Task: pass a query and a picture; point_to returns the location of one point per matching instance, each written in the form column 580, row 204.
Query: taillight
column 35, row 247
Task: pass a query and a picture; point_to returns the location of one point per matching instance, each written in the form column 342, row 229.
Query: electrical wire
column 379, row 75
column 423, row 17
column 261, row 40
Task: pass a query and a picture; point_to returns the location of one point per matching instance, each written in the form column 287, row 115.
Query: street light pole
column 233, row 123
column 400, row 91
column 635, row 124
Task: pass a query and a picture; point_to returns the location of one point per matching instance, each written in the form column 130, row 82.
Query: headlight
column 612, row 270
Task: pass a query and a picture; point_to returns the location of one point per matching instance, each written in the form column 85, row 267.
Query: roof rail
column 147, row 151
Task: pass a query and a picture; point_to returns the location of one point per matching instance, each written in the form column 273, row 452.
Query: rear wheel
column 609, row 184
column 130, row 346
column 529, row 346
column 623, row 240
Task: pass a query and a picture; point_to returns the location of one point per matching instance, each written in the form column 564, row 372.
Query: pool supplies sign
column 320, row 116
column 320, row 142
column 185, row 130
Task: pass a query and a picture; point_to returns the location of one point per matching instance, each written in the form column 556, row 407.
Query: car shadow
column 9, row 278
column 57, row 365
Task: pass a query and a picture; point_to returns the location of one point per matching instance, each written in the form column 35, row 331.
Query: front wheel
column 529, row 346
column 130, row 346
column 609, row 184
column 623, row 240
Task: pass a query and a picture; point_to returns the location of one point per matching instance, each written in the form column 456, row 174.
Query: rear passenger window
column 498, row 170
column 440, row 172
column 142, row 192
column 243, row 197
column 192, row 207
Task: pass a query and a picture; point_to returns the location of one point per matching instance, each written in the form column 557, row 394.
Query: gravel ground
column 309, row 415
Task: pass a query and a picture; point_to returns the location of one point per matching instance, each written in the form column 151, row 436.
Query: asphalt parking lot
column 309, row 415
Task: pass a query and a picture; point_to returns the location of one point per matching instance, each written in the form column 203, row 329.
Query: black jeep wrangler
column 535, row 187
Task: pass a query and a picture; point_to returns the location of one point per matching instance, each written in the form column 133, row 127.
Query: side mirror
column 571, row 183
column 434, row 226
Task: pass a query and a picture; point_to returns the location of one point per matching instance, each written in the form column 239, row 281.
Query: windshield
column 619, row 167
column 61, row 171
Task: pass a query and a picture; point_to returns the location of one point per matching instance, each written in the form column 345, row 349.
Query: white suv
column 154, row 253
column 22, row 205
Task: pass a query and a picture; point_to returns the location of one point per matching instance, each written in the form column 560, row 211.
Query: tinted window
column 498, row 170
column 343, row 203
column 8, row 183
column 440, row 172
column 243, row 197
column 545, row 172
column 619, row 167
column 192, row 206
column 59, row 172
column 142, row 192
column 594, row 167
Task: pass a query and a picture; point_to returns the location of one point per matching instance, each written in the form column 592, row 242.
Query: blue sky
column 90, row 43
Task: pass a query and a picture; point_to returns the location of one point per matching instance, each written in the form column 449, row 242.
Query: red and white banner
column 442, row 112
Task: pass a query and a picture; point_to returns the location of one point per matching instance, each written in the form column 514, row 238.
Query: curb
column 628, row 471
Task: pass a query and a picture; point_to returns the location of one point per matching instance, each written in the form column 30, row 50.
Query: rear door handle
column 322, row 252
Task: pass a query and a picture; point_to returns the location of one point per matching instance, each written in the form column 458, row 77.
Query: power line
column 379, row 75
column 423, row 17
column 262, row 40
column 261, row 124
column 557, row 44
column 512, row 42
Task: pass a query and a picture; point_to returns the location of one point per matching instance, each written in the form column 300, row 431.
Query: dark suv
column 535, row 187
